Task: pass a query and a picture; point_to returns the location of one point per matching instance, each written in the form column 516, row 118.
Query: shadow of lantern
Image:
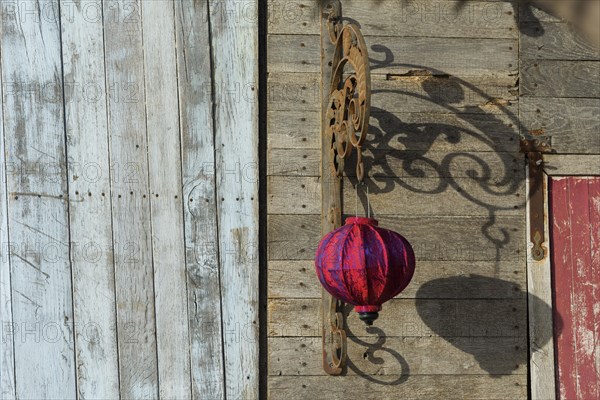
column 489, row 321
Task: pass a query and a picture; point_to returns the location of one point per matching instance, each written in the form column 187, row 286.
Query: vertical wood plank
column 7, row 356
column 200, row 213
column 234, row 40
column 562, row 269
column 331, row 185
column 132, row 228
column 594, row 206
column 90, row 221
column 583, row 281
column 164, row 155
column 38, row 211
column 539, row 284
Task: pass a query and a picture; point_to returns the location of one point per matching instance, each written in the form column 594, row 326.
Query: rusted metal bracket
column 533, row 149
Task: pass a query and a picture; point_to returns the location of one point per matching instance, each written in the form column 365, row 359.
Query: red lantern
column 364, row 265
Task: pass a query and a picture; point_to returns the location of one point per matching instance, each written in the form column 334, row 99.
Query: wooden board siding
column 444, row 170
column 575, row 214
column 119, row 262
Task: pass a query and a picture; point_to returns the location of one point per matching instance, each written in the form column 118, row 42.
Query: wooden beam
column 571, row 164
column 539, row 288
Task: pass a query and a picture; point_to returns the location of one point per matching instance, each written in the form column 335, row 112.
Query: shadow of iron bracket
column 533, row 149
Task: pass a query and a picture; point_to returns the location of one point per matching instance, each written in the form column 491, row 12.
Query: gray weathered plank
column 199, row 195
column 555, row 41
column 293, row 129
column 405, row 93
column 398, row 163
column 403, row 196
column 434, row 18
column 90, row 215
column 462, row 56
column 466, row 279
column 416, row 132
column 544, row 78
column 466, row 387
column 572, row 124
column 409, row 317
column 38, row 216
column 540, row 318
column 293, row 195
column 7, row 353
column 572, row 164
column 132, row 228
column 235, row 61
column 383, row 356
column 295, row 237
column 164, row 154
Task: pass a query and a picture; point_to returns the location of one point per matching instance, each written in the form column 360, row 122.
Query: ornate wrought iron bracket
column 533, row 150
column 346, row 106
column 349, row 93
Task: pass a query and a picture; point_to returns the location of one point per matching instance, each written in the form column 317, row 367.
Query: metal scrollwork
column 336, row 340
column 349, row 95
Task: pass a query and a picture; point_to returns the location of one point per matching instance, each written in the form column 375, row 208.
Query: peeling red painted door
column 575, row 216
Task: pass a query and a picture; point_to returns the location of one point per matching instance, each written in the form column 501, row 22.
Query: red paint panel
column 575, row 212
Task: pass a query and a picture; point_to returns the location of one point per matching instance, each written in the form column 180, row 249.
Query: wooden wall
column 129, row 199
column 444, row 170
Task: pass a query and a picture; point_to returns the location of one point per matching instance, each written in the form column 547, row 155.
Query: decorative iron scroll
column 349, row 95
column 346, row 124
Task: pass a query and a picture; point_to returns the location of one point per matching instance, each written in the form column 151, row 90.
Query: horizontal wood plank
column 418, row 133
column 398, row 163
column 408, row 317
column 293, row 195
column 462, row 56
column 572, row 124
column 384, row 356
column 555, row 41
column 461, row 280
column 544, row 78
column 409, row 387
column 572, row 164
column 418, row 90
column 432, row 18
column 295, row 237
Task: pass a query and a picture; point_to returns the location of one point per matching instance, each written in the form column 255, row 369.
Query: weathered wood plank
column 433, row 18
column 417, row 132
column 543, row 78
column 384, row 356
column 7, row 350
column 295, row 237
column 462, row 56
column 293, row 129
column 293, row 195
column 403, row 196
column 541, row 336
column 37, row 208
column 444, row 196
column 479, row 387
column 132, row 230
column 583, row 15
column 572, row 164
column 410, row 92
column 467, row 279
column 199, row 195
column 168, row 246
column 572, row 124
column 555, row 41
column 398, row 163
column 409, row 317
column 235, row 59
column 90, row 214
